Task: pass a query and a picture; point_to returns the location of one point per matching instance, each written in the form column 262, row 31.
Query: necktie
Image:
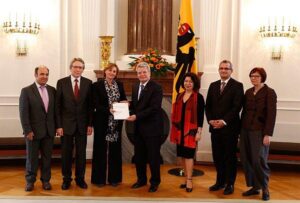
column 76, row 90
column 45, row 97
column 142, row 87
column 222, row 87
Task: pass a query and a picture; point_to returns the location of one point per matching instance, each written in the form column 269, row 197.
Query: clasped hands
column 217, row 124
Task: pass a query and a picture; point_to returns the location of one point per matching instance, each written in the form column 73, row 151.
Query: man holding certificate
column 146, row 112
column 107, row 155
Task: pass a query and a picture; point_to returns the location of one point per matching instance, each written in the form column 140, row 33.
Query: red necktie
column 76, row 90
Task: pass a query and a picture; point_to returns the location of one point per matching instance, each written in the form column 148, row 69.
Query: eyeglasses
column 227, row 69
column 255, row 76
column 77, row 67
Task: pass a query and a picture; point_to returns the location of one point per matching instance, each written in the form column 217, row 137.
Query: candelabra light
column 21, row 27
column 277, row 34
column 105, row 50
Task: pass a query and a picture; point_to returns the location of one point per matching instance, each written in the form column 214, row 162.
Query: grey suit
column 34, row 118
column 74, row 116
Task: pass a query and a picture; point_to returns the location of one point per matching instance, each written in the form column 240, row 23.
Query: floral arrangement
column 158, row 65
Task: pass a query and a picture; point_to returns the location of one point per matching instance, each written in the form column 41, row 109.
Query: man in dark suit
column 74, row 121
column 146, row 112
column 37, row 119
column 223, row 104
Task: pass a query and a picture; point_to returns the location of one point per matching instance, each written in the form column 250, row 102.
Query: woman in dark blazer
column 187, row 122
column 258, row 121
column 107, row 156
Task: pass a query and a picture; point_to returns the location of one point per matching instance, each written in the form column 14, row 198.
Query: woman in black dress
column 187, row 122
column 107, row 153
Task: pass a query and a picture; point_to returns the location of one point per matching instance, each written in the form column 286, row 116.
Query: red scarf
column 190, row 121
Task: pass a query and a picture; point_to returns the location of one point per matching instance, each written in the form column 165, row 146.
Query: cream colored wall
column 18, row 72
column 230, row 31
column 283, row 74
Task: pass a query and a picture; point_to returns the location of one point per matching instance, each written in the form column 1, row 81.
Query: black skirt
column 185, row 152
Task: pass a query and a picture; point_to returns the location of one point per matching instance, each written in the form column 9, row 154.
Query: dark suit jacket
column 33, row 116
column 259, row 111
column 225, row 106
column 101, row 105
column 149, row 119
column 72, row 114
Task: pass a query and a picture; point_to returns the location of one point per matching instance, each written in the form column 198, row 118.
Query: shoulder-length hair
column 194, row 78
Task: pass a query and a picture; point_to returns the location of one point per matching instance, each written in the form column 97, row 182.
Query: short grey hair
column 143, row 65
column 226, row 61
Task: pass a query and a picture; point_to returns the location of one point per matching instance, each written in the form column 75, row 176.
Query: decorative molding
column 9, row 104
column 287, row 109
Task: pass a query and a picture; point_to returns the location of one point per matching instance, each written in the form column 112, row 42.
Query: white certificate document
column 121, row 111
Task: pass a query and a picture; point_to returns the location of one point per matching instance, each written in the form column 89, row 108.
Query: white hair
column 143, row 65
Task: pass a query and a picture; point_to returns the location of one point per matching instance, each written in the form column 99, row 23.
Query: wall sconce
column 278, row 36
column 21, row 28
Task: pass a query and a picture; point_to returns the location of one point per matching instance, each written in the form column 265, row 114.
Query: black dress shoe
column 66, row 185
column 250, row 192
column 29, row 187
column 100, row 185
column 114, row 184
column 82, row 184
column 46, row 186
column 229, row 189
column 137, row 185
column 265, row 195
column 182, row 186
column 153, row 188
column 216, row 187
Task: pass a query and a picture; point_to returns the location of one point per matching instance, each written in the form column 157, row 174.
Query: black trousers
column 254, row 157
column 147, row 149
column 107, row 161
column 67, row 143
column 224, row 148
column 45, row 147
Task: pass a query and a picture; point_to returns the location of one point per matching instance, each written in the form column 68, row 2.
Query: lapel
column 102, row 89
column 82, row 88
column 135, row 92
column 51, row 97
column 218, row 88
column 227, row 86
column 37, row 94
column 70, row 88
column 145, row 90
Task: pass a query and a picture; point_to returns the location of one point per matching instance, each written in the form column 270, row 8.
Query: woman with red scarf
column 187, row 122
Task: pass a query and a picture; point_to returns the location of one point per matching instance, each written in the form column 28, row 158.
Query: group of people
column 78, row 106
column 224, row 101
column 74, row 109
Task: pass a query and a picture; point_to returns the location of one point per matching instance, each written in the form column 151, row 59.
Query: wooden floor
column 284, row 185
